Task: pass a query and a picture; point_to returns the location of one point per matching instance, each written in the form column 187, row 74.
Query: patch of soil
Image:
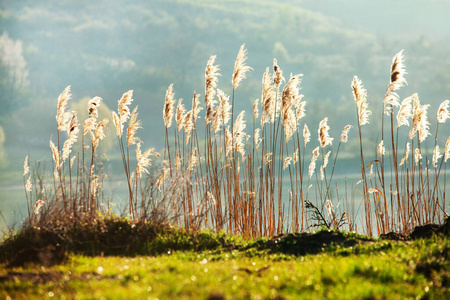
column 307, row 243
column 420, row 232
column 34, row 277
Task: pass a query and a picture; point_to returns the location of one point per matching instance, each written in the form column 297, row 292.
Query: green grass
column 261, row 269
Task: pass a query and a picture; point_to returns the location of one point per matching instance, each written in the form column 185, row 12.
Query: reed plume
column 405, row 158
column 123, row 112
column 239, row 67
column 142, row 160
column 162, row 178
column 312, row 165
column 295, row 156
column 405, row 111
column 224, row 107
column 258, row 138
column 300, row 110
column 133, row 126
column 344, row 134
column 62, row 117
column 193, row 160
column 287, row 162
column 55, row 154
column 447, row 149
column 168, row 110
column 381, row 149
column 188, row 125
column 238, row 133
column 436, row 155
column 255, row 109
column 360, row 94
column 99, row 133
column 267, row 158
column 73, row 133
column 28, row 186
column 277, row 75
column 196, row 108
column 37, row 206
column 306, row 134
column 267, row 99
column 443, row 113
column 290, row 95
column 180, row 114
column 420, row 122
column 324, row 137
column 211, row 78
column 89, row 124
column 26, row 168
column 397, row 81
column 93, row 104
column 417, row 155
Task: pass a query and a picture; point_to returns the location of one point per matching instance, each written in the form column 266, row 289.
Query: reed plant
column 273, row 180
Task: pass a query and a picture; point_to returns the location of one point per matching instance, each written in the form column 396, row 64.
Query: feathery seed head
column 417, row 156
column 447, row 149
column 324, row 138
column 142, row 160
column 238, row 133
column 211, row 78
column 162, row 178
column 257, row 136
column 381, row 150
column 443, row 113
column 405, row 111
column 188, row 125
column 344, row 134
column 436, row 156
column 420, row 122
column 255, row 109
column 228, row 141
column 398, row 71
column 181, row 110
column 63, row 117
column 267, row 99
column 133, row 126
column 312, row 165
column 405, row 158
column 277, row 75
column 287, row 162
column 224, row 107
column 397, row 81
column 267, row 158
column 193, row 160
column 26, row 168
column 93, row 104
column 55, row 154
column 123, row 106
column 168, row 110
column 100, row 135
column 89, row 124
column 325, row 159
column 28, row 186
column 295, row 156
column 73, row 132
column 306, row 134
column 239, row 67
column 196, row 108
column 360, row 94
column 300, row 110
column 37, row 206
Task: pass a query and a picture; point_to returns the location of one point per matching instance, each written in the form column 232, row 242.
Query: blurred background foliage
column 105, row 48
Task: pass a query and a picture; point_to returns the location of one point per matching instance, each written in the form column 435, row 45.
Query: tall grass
column 259, row 173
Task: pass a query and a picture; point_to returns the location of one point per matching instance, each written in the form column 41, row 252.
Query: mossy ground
column 327, row 264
